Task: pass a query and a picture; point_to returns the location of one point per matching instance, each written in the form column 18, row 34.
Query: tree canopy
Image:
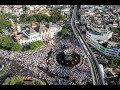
column 15, row 80
column 18, row 80
column 3, row 21
column 55, row 15
column 63, row 32
column 33, row 19
column 5, row 16
column 113, row 62
column 35, row 45
column 3, row 24
column 23, row 19
column 16, row 47
column 8, row 44
column 38, row 82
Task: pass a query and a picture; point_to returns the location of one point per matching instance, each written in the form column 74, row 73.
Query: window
column 119, row 54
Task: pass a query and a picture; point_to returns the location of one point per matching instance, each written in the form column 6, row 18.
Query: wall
column 107, row 51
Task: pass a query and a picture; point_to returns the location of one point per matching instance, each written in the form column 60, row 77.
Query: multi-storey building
column 100, row 21
column 98, row 35
column 34, row 32
column 113, row 50
column 97, row 39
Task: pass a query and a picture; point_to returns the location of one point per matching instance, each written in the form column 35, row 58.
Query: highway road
column 94, row 66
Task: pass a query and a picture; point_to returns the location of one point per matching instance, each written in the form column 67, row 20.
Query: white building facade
column 96, row 39
column 30, row 38
column 101, row 37
column 43, row 35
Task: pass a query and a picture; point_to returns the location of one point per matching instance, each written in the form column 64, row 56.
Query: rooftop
column 94, row 32
column 113, row 43
column 117, row 31
column 42, row 28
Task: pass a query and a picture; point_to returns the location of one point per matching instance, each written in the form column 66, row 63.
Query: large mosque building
column 34, row 32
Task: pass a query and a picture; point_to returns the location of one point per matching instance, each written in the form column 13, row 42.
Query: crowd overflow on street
column 40, row 64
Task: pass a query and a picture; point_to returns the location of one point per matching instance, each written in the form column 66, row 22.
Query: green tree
column 2, row 16
column 5, row 15
column 22, row 19
column 55, row 11
column 65, row 26
column 113, row 62
column 15, row 80
column 62, row 17
column 35, row 45
column 16, row 47
column 56, row 15
column 41, row 17
column 4, row 71
column 1, row 40
column 3, row 24
column 33, row 19
column 6, row 22
column 38, row 17
column 9, row 45
column 38, row 82
column 63, row 33
column 6, row 42
column 43, row 22
column 0, row 30
column 45, row 17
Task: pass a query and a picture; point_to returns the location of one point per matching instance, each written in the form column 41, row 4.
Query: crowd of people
column 29, row 61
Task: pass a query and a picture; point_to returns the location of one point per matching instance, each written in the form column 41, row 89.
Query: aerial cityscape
column 59, row 44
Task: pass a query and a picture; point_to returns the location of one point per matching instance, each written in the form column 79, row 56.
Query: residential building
column 100, row 28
